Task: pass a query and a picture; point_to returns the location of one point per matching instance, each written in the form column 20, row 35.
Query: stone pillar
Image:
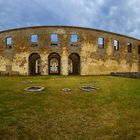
column 20, row 64
column 44, row 64
column 83, row 59
column 135, row 58
column 82, row 66
column 64, row 62
column 110, row 47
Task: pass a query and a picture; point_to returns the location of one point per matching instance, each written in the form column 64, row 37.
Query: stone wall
column 93, row 60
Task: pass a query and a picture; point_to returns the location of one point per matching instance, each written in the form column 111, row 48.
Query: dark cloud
column 117, row 16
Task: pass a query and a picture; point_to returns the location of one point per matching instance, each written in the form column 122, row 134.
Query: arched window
column 116, row 45
column 74, row 64
column 34, row 64
column 54, row 64
column 100, row 42
column 129, row 47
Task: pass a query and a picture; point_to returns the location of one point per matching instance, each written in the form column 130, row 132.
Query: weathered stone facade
column 90, row 58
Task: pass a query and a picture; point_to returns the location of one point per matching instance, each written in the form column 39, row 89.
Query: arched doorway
column 74, row 64
column 34, row 64
column 54, row 64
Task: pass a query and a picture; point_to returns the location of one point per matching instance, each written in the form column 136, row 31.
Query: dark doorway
column 139, row 57
column 54, row 64
column 74, row 64
column 139, row 50
column 34, row 64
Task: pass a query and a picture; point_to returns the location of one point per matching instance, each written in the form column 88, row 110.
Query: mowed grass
column 110, row 113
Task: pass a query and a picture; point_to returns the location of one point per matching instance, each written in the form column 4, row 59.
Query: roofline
column 62, row 26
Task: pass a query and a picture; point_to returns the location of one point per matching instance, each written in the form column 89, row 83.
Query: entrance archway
column 74, row 64
column 34, row 64
column 54, row 64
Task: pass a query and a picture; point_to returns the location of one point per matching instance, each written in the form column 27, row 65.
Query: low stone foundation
column 4, row 73
column 127, row 74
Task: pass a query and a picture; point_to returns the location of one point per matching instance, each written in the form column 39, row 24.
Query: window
column 9, row 41
column 34, row 38
column 101, row 42
column 54, row 37
column 116, row 45
column 74, row 38
column 129, row 47
column 139, row 50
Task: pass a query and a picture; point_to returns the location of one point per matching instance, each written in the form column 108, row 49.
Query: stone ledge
column 127, row 74
column 4, row 73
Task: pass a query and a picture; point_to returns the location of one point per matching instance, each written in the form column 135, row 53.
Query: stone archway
column 54, row 64
column 34, row 64
column 74, row 64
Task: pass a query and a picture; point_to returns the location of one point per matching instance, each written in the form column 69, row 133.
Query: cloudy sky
column 121, row 16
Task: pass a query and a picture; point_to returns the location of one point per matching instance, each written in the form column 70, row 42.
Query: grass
column 110, row 113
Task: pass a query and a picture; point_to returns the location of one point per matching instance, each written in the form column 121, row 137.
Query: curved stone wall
column 67, row 50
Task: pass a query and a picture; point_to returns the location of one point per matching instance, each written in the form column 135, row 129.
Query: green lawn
column 110, row 113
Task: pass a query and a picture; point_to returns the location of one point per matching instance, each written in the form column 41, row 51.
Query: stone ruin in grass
column 34, row 88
